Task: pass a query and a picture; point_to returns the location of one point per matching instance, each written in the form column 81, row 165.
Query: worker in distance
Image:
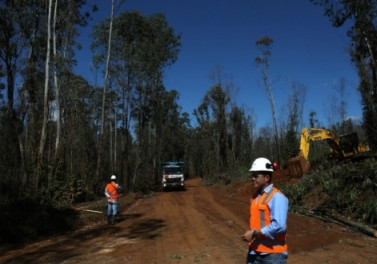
column 112, row 194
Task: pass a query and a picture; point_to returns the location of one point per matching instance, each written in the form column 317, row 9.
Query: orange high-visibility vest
column 113, row 192
column 259, row 218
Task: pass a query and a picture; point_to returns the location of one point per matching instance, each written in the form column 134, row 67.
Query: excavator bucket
column 298, row 166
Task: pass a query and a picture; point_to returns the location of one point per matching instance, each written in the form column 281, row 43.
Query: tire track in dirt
column 189, row 233
column 195, row 230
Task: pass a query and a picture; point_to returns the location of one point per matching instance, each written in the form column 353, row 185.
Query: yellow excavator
column 342, row 147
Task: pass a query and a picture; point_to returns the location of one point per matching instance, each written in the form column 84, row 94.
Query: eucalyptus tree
column 19, row 30
column 10, row 50
column 66, row 19
column 212, row 133
column 342, row 108
column 30, row 18
column 33, row 118
column 204, row 142
column 263, row 143
column 313, row 121
column 101, row 140
column 74, row 179
column 43, row 136
column 142, row 47
column 240, row 143
column 361, row 15
column 295, row 105
column 175, row 128
column 263, row 61
column 61, row 18
column 11, row 44
column 337, row 112
column 160, row 47
column 123, row 72
column 218, row 100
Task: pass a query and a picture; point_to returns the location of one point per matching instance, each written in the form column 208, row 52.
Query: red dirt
column 199, row 225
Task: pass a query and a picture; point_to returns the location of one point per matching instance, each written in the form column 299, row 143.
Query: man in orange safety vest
column 268, row 218
column 112, row 194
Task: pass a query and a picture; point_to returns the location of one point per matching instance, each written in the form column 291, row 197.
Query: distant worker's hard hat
column 113, row 177
column 262, row 164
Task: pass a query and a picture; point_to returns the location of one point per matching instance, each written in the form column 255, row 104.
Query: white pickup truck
column 172, row 175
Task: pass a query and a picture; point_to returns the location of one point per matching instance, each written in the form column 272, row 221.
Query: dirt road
column 199, row 225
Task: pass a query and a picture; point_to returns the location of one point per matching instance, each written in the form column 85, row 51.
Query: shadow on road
column 72, row 245
column 146, row 229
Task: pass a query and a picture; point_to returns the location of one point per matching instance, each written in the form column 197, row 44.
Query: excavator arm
column 315, row 134
column 299, row 165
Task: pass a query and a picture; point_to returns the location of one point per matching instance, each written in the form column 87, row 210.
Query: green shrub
column 369, row 215
column 350, row 188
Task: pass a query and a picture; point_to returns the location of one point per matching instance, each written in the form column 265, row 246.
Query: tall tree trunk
column 21, row 140
column 42, row 141
column 10, row 87
column 125, row 125
column 57, row 88
column 111, row 147
column 270, row 95
column 138, row 163
column 263, row 61
column 115, row 137
column 101, row 139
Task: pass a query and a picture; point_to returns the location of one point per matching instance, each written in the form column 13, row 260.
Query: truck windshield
column 172, row 170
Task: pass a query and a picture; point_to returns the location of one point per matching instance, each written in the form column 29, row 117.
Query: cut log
column 92, row 211
column 363, row 228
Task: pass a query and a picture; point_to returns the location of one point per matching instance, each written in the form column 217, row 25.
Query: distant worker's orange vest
column 259, row 218
column 113, row 192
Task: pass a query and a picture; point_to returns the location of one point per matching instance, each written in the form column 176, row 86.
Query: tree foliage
column 141, row 49
column 362, row 16
column 223, row 139
column 295, row 106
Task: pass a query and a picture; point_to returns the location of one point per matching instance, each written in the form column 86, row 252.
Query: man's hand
column 250, row 235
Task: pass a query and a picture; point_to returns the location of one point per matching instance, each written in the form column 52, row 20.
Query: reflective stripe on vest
column 113, row 192
column 259, row 218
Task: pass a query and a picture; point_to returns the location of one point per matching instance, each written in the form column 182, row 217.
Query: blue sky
column 306, row 50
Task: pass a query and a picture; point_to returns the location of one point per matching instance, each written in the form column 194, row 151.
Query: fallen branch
column 363, row 228
column 92, row 211
column 313, row 214
column 323, row 216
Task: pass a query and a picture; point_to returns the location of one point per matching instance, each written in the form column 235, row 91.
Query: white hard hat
column 113, row 177
column 261, row 164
